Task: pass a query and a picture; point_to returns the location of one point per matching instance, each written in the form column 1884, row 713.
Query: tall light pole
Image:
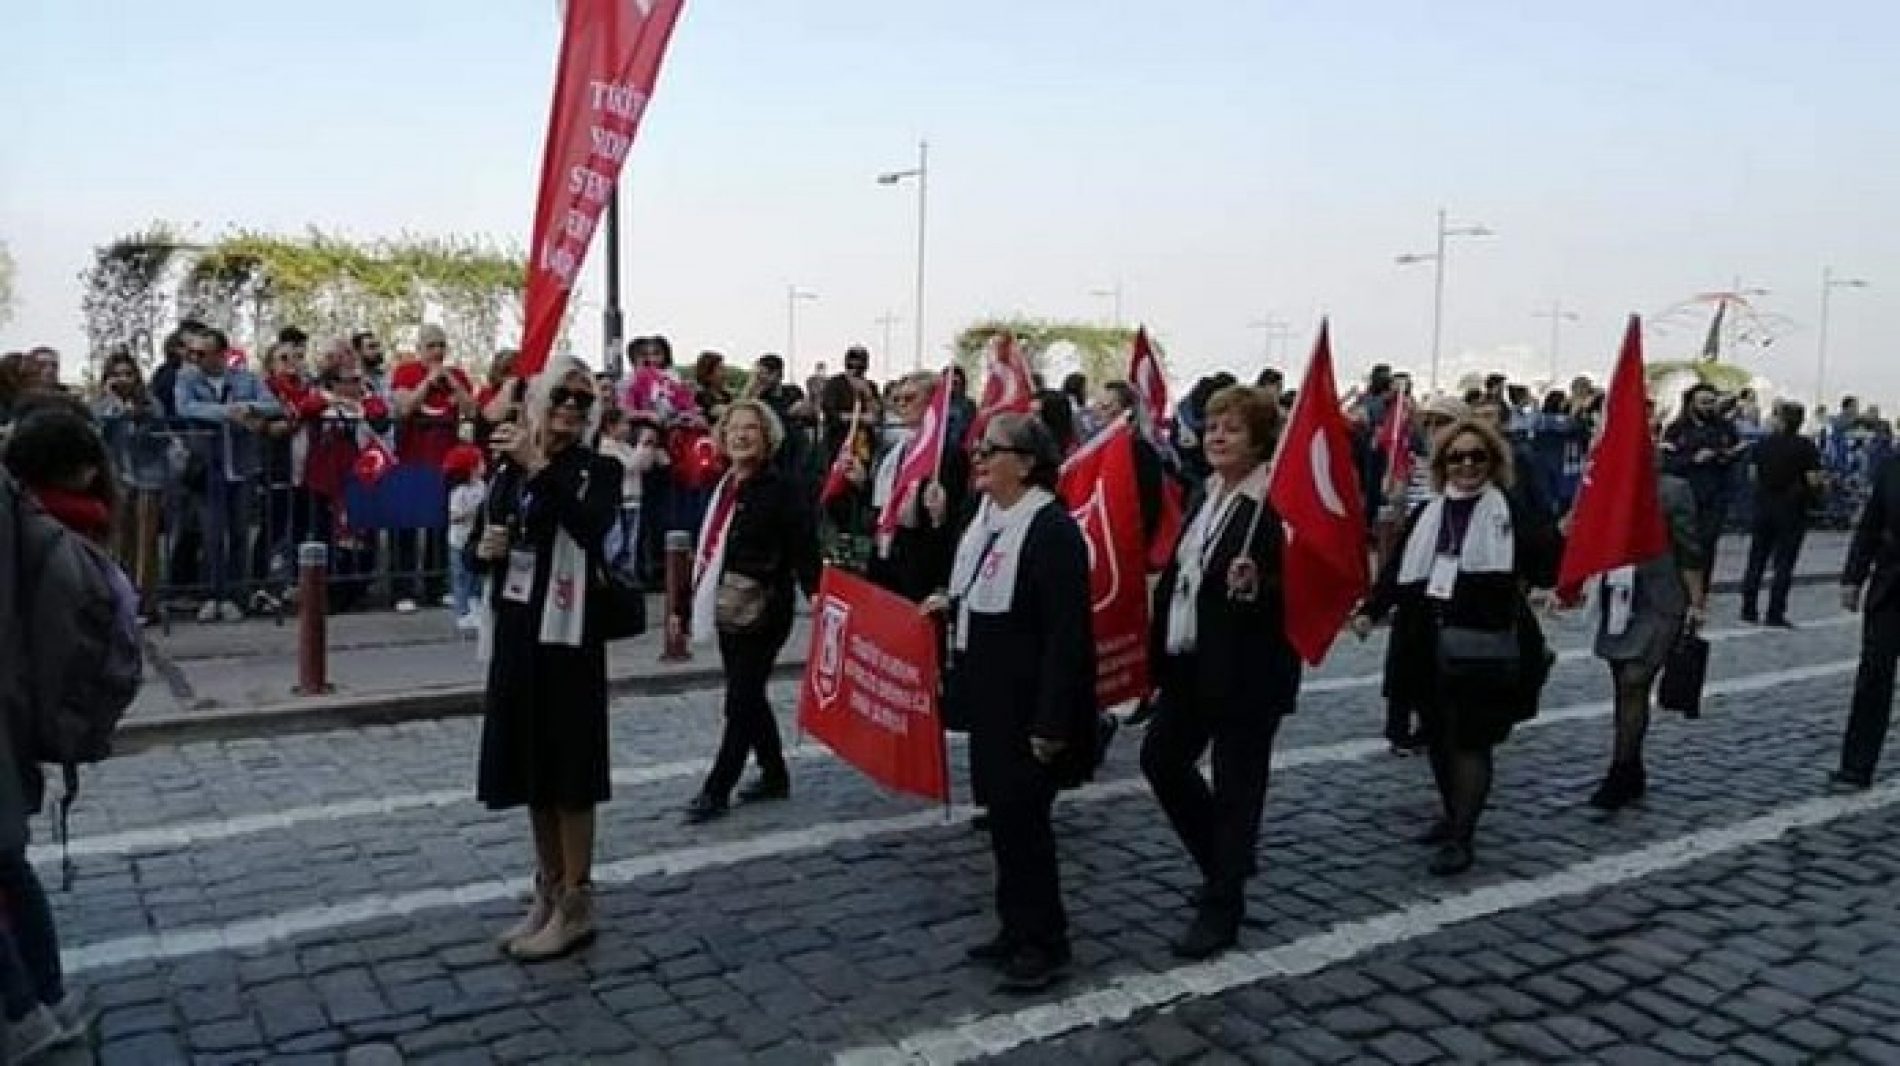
column 1437, row 258
column 888, row 320
column 1115, row 296
column 612, row 323
column 793, row 297
column 922, row 173
column 1828, row 284
column 1558, row 316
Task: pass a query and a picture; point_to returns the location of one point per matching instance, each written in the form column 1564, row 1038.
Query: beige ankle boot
column 539, row 911
column 571, row 926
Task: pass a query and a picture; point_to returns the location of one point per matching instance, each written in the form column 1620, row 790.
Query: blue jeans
column 29, row 952
column 227, row 530
column 464, row 584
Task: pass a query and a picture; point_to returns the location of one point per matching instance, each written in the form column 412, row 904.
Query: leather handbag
column 739, row 603
column 616, row 603
column 1493, row 656
column 1683, row 675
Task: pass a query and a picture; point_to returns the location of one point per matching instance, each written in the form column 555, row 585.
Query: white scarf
column 983, row 579
column 563, row 609
column 1489, row 546
column 883, row 488
column 1197, row 544
column 706, row 576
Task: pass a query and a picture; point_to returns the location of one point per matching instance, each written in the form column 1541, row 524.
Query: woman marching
column 1464, row 632
column 544, row 727
column 1022, row 674
column 756, row 543
column 1224, row 670
column 916, row 562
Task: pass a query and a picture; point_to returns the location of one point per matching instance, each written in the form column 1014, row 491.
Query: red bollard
column 679, row 596
column 313, row 619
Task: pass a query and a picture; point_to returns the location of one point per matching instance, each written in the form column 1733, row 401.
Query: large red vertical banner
column 1098, row 486
column 610, row 58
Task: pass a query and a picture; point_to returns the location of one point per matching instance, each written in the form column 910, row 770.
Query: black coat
column 1875, row 551
column 1242, row 663
column 921, row 555
column 1031, row 672
column 773, row 539
column 544, row 717
column 1479, row 601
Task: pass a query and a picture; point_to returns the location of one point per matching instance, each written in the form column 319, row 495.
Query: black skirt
column 544, row 722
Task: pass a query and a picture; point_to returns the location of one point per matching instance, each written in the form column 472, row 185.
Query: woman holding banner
column 544, row 723
column 757, row 541
column 1022, row 673
column 1224, row 671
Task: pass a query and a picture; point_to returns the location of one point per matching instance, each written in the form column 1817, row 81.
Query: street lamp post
column 1113, row 295
column 888, row 320
column 793, row 296
column 1828, row 284
column 612, row 321
column 1437, row 258
column 922, row 173
column 1558, row 316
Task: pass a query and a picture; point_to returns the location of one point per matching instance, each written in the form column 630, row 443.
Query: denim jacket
column 139, row 441
column 228, row 449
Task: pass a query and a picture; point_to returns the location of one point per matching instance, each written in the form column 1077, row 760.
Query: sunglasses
column 580, row 398
column 1478, row 458
column 986, row 450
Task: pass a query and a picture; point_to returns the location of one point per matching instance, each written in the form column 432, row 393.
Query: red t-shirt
column 426, row 436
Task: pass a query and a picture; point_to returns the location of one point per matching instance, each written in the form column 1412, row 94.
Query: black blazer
column 921, row 555
column 1242, row 663
column 1875, row 551
column 773, row 538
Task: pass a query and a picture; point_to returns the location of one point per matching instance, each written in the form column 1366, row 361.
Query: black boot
column 706, row 808
column 766, row 788
column 1623, row 785
column 1454, row 857
column 995, row 951
column 1033, row 968
column 1438, row 833
column 1215, row 928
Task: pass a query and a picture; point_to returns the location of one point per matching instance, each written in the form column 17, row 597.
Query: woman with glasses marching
column 756, row 543
column 544, row 727
column 916, row 560
column 1464, row 635
column 1223, row 667
column 1021, row 672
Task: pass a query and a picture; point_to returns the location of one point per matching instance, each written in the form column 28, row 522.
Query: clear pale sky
column 1225, row 161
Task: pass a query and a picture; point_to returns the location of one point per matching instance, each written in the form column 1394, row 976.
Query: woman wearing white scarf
column 1223, row 667
column 1022, row 672
column 544, row 726
column 916, row 560
column 1467, row 559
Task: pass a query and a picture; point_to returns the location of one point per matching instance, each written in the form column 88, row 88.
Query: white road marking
column 186, row 834
column 1119, row 999
column 259, row 932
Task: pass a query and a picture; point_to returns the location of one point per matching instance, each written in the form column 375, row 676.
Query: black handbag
column 1493, row 656
column 616, row 603
column 1683, row 675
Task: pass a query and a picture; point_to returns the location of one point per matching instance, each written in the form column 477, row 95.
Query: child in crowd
column 464, row 469
column 632, row 440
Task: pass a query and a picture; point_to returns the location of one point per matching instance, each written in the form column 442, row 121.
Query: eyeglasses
column 580, row 398
column 436, row 344
column 904, row 399
column 1477, row 457
column 986, row 450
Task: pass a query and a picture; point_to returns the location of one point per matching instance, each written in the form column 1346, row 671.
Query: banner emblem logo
column 834, row 621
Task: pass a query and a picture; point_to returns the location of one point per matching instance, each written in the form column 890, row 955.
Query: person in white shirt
column 464, row 470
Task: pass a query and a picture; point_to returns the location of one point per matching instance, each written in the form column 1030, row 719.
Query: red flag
column 610, row 58
column 1151, row 388
column 870, row 688
column 1316, row 491
column 1007, row 386
column 1395, row 440
column 1167, row 526
column 923, row 453
column 837, row 481
column 1098, row 487
column 1617, row 520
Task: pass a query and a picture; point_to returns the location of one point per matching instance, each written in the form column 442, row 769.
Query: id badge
column 518, row 586
column 1444, row 577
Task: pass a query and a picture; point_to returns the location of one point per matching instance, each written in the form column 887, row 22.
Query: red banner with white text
column 870, row 688
column 1098, row 487
column 610, row 58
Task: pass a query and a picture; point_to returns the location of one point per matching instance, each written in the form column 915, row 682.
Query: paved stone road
column 331, row 897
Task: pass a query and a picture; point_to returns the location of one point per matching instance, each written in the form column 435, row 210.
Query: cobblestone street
column 325, row 896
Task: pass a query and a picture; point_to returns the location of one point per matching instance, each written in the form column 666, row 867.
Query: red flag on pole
column 870, row 688
column 1098, row 487
column 1007, row 386
column 1395, row 440
column 610, row 59
column 1151, row 388
column 1617, row 520
column 1316, row 491
column 837, row 480
column 923, row 454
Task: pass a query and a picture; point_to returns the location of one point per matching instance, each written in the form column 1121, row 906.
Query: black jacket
column 773, row 538
column 1242, row 663
column 1875, row 552
column 921, row 555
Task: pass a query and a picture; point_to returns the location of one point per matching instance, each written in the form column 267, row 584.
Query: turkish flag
column 373, row 462
column 610, row 59
column 1315, row 489
column 1007, row 386
column 1167, row 527
column 1098, row 487
column 1617, row 520
column 1151, row 387
column 922, row 455
column 837, row 479
column 870, row 687
column 1395, row 440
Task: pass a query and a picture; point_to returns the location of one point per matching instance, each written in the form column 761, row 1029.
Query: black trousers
column 1219, row 823
column 1873, row 690
column 1778, row 531
column 751, row 729
column 1711, row 514
column 1028, row 884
